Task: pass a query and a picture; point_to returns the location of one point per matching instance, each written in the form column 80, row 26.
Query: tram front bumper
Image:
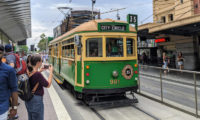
column 109, row 91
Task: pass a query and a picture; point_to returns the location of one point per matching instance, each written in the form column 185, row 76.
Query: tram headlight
column 115, row 74
column 87, row 81
column 136, row 78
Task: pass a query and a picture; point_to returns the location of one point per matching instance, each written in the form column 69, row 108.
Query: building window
column 163, row 19
column 181, row 1
column 171, row 17
column 196, row 5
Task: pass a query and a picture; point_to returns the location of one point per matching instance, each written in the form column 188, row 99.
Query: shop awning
column 185, row 26
column 15, row 19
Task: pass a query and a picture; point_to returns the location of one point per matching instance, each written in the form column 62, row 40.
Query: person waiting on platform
column 180, row 60
column 165, row 62
column 144, row 58
column 8, row 87
column 35, row 106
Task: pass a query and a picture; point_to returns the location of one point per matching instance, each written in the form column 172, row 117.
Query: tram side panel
column 56, row 65
column 68, row 70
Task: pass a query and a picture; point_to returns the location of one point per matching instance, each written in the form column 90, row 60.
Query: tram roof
column 90, row 26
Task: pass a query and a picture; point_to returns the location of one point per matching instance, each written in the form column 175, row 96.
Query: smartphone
column 46, row 66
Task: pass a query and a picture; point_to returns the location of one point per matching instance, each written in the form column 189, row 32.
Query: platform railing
column 162, row 75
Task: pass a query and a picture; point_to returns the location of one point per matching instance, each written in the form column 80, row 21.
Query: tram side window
column 56, row 51
column 68, row 51
column 114, row 47
column 63, row 51
column 50, row 51
column 94, row 47
column 130, row 46
column 72, row 51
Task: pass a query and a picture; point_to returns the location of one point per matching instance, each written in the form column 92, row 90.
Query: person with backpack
column 35, row 106
column 8, row 87
column 10, row 57
column 16, row 62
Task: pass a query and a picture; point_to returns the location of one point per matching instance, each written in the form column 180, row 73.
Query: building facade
column 74, row 19
column 177, row 23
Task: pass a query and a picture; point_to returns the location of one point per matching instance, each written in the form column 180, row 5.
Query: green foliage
column 23, row 48
column 42, row 43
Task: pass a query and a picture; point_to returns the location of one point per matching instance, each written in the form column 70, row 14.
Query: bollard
column 161, row 88
column 139, row 79
column 195, row 91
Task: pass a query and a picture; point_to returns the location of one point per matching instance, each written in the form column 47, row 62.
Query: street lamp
column 93, row 2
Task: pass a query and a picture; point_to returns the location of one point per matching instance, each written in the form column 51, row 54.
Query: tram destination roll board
column 110, row 27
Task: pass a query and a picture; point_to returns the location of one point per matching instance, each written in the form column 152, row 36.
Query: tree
column 42, row 43
column 23, row 48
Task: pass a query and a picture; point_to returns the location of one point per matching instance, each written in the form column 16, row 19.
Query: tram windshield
column 130, row 46
column 94, row 47
column 114, row 47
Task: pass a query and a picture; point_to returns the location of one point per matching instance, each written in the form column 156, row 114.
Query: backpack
column 20, row 65
column 24, row 87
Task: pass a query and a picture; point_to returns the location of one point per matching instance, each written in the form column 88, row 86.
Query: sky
column 45, row 16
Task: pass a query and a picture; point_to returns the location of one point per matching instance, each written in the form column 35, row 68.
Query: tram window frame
column 132, row 48
column 109, row 54
column 99, row 52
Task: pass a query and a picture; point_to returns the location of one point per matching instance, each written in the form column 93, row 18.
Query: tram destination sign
column 133, row 19
column 113, row 27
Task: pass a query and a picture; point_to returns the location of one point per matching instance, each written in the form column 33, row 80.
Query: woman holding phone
column 35, row 106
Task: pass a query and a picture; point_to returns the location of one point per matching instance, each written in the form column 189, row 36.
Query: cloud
column 71, row 5
column 37, row 29
column 37, row 5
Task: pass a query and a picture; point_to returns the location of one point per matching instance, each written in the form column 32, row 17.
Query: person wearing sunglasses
column 8, row 87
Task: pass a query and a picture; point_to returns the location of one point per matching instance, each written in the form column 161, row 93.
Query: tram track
column 98, row 114
column 152, row 116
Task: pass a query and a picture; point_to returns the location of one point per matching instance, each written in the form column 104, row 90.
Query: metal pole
column 195, row 91
column 139, row 78
column 92, row 9
column 161, row 87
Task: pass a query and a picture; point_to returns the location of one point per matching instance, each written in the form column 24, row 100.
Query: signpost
column 133, row 19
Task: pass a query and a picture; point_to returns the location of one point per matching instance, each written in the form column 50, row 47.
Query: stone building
column 177, row 22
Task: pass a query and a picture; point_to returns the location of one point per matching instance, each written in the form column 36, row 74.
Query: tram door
column 59, row 57
column 78, row 61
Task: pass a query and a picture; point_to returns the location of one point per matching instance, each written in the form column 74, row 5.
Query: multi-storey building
column 74, row 19
column 176, row 26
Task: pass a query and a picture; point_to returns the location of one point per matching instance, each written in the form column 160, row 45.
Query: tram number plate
column 114, row 82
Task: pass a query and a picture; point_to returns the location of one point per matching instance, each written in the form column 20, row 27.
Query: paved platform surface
column 49, row 112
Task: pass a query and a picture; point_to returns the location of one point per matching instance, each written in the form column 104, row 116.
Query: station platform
column 49, row 111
